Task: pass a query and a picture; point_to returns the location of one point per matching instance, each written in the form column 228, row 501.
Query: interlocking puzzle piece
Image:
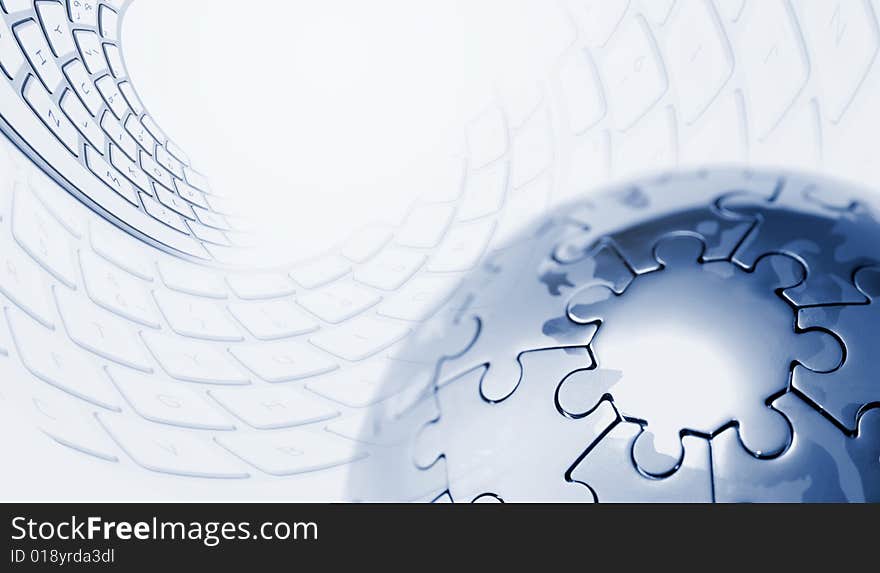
column 822, row 464
column 387, row 432
column 832, row 241
column 856, row 383
column 864, row 450
column 671, row 202
column 520, row 448
column 388, row 473
column 608, row 469
column 505, row 331
column 828, row 198
column 694, row 346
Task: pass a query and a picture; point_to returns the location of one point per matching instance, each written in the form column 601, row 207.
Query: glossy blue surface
column 708, row 336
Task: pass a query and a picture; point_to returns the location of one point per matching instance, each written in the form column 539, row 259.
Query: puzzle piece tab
column 674, row 352
column 818, row 467
column 844, row 392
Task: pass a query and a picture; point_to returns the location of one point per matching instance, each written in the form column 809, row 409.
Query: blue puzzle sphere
column 708, row 336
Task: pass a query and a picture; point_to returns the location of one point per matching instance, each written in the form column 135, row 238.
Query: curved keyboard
column 69, row 104
column 176, row 374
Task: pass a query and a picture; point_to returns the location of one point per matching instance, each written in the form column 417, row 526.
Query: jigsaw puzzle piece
column 864, row 450
column 830, row 199
column 608, row 469
column 670, row 200
column 817, row 467
column 720, row 235
column 833, row 242
column 603, row 266
column 520, row 310
column 388, row 438
column 487, row 498
column 521, row 448
column 657, row 350
column 847, row 390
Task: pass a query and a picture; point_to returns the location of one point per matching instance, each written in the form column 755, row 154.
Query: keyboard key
column 130, row 169
column 154, row 130
column 389, row 270
column 41, row 236
column 210, row 219
column 462, row 248
column 57, row 362
column 22, row 281
column 11, row 58
column 191, row 194
column 156, row 171
column 843, row 38
column 658, row 10
column 442, row 179
column 114, row 58
column 170, row 451
column 117, row 291
column 272, row 319
column 215, row 237
column 370, row 382
column 108, row 22
column 162, row 213
column 699, row 58
column 193, row 361
column 775, row 62
column 487, row 137
column 13, row 6
column 131, row 97
column 168, row 162
column 520, row 102
column 190, row 279
column 291, row 452
column 110, row 92
column 121, row 250
column 283, row 361
column 71, row 424
column 273, row 407
column 597, row 19
column 338, row 301
column 90, row 48
column 100, row 332
column 484, row 192
column 64, row 207
column 196, row 317
column 360, row 338
column 520, row 207
column 177, row 152
column 54, row 19
column 258, row 286
column 634, row 76
column 196, row 179
column 320, row 271
column 581, row 91
column 119, row 136
column 74, row 109
column 83, row 12
column 171, row 200
column 37, row 51
column 425, row 225
column 532, row 150
column 52, row 117
column 110, row 176
column 365, row 243
column 420, row 298
column 167, row 402
column 140, row 134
